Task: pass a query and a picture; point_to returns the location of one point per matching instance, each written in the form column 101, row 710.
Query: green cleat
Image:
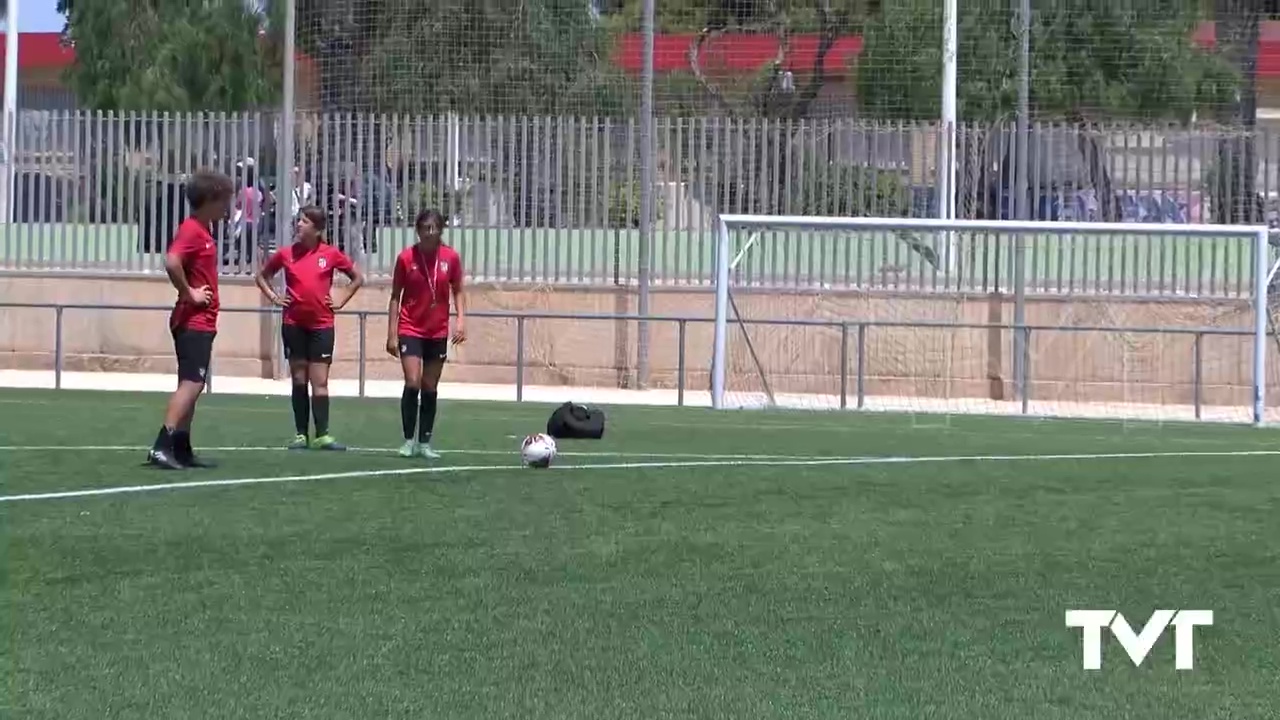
column 326, row 442
column 408, row 449
column 299, row 443
column 425, row 451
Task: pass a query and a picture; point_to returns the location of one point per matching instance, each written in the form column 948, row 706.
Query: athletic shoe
column 163, row 460
column 326, row 442
column 409, row 449
column 425, row 451
column 186, row 456
column 299, row 443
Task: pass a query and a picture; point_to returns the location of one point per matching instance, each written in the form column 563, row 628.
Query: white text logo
column 1138, row 645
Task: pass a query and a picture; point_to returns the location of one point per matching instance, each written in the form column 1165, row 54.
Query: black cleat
column 191, row 460
column 164, row 460
column 186, row 456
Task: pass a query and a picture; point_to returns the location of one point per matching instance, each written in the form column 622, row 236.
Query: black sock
column 409, row 411
column 320, row 408
column 182, row 443
column 427, row 416
column 301, row 408
column 164, row 440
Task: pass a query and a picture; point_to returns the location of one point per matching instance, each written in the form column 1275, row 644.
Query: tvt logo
column 1138, row 645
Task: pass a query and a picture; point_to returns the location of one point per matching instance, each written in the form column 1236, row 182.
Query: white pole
column 1261, row 272
column 947, row 151
column 287, row 126
column 11, row 35
column 720, row 342
column 644, row 259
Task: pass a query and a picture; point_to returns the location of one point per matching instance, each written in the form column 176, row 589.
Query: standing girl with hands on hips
column 427, row 275
column 308, row 323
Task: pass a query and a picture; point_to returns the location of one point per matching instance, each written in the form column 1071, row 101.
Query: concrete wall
column 922, row 362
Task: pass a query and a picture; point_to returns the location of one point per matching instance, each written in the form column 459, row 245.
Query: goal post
column 785, row 267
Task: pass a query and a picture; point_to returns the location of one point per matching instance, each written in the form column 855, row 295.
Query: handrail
column 861, row 328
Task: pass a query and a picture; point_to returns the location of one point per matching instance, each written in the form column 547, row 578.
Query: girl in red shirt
column 426, row 275
column 308, row 323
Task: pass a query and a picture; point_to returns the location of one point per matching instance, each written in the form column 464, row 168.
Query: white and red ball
column 538, row 450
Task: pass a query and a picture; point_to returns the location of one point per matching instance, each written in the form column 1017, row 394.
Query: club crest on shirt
column 444, row 267
column 323, row 263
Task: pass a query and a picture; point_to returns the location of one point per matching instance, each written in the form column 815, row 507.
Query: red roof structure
column 41, row 50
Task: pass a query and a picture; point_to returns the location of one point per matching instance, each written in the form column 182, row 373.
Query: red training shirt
column 195, row 247
column 421, row 274
column 308, row 278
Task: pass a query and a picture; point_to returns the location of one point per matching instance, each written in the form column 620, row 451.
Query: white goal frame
column 1264, row 270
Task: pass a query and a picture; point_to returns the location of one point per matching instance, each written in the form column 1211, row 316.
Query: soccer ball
column 538, row 450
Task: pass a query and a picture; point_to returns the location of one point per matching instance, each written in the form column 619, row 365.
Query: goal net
column 939, row 318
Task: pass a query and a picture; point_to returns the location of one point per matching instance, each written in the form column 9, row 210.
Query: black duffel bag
column 576, row 422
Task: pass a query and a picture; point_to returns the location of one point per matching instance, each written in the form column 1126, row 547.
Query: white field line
column 938, row 422
column 431, row 470
column 512, row 452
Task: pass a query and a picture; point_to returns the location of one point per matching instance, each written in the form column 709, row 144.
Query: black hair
column 427, row 216
column 207, row 186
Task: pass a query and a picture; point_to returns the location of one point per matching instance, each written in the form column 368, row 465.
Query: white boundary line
column 361, row 450
column 812, row 462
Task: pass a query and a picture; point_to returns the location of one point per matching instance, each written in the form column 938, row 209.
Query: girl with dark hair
column 427, row 274
column 308, row 327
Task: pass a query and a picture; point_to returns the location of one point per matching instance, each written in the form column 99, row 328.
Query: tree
column 1130, row 60
column 513, row 58
column 168, row 55
column 1102, row 61
column 510, row 57
column 1233, row 181
column 156, row 56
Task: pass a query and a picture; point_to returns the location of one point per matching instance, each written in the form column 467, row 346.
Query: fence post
column 520, row 358
column 1026, row 368
column 1261, row 314
column 1196, row 378
column 862, row 366
column 57, row 347
column 844, row 365
column 362, row 354
column 680, row 344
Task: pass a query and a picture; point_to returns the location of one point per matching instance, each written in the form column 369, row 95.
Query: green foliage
column 850, row 191
column 624, row 204
column 1131, row 60
column 502, row 56
column 168, row 56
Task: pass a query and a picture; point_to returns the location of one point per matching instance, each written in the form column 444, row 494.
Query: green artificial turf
column 659, row 586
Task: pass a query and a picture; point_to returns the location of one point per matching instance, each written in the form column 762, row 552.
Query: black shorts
column 194, row 350
column 427, row 349
column 311, row 345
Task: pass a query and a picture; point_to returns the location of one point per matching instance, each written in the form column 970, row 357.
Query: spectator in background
column 303, row 193
column 344, row 207
column 246, row 211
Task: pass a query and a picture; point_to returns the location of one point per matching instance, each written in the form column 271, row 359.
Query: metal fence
column 556, row 199
column 852, row 376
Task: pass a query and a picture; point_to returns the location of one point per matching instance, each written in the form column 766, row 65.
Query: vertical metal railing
column 555, row 199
